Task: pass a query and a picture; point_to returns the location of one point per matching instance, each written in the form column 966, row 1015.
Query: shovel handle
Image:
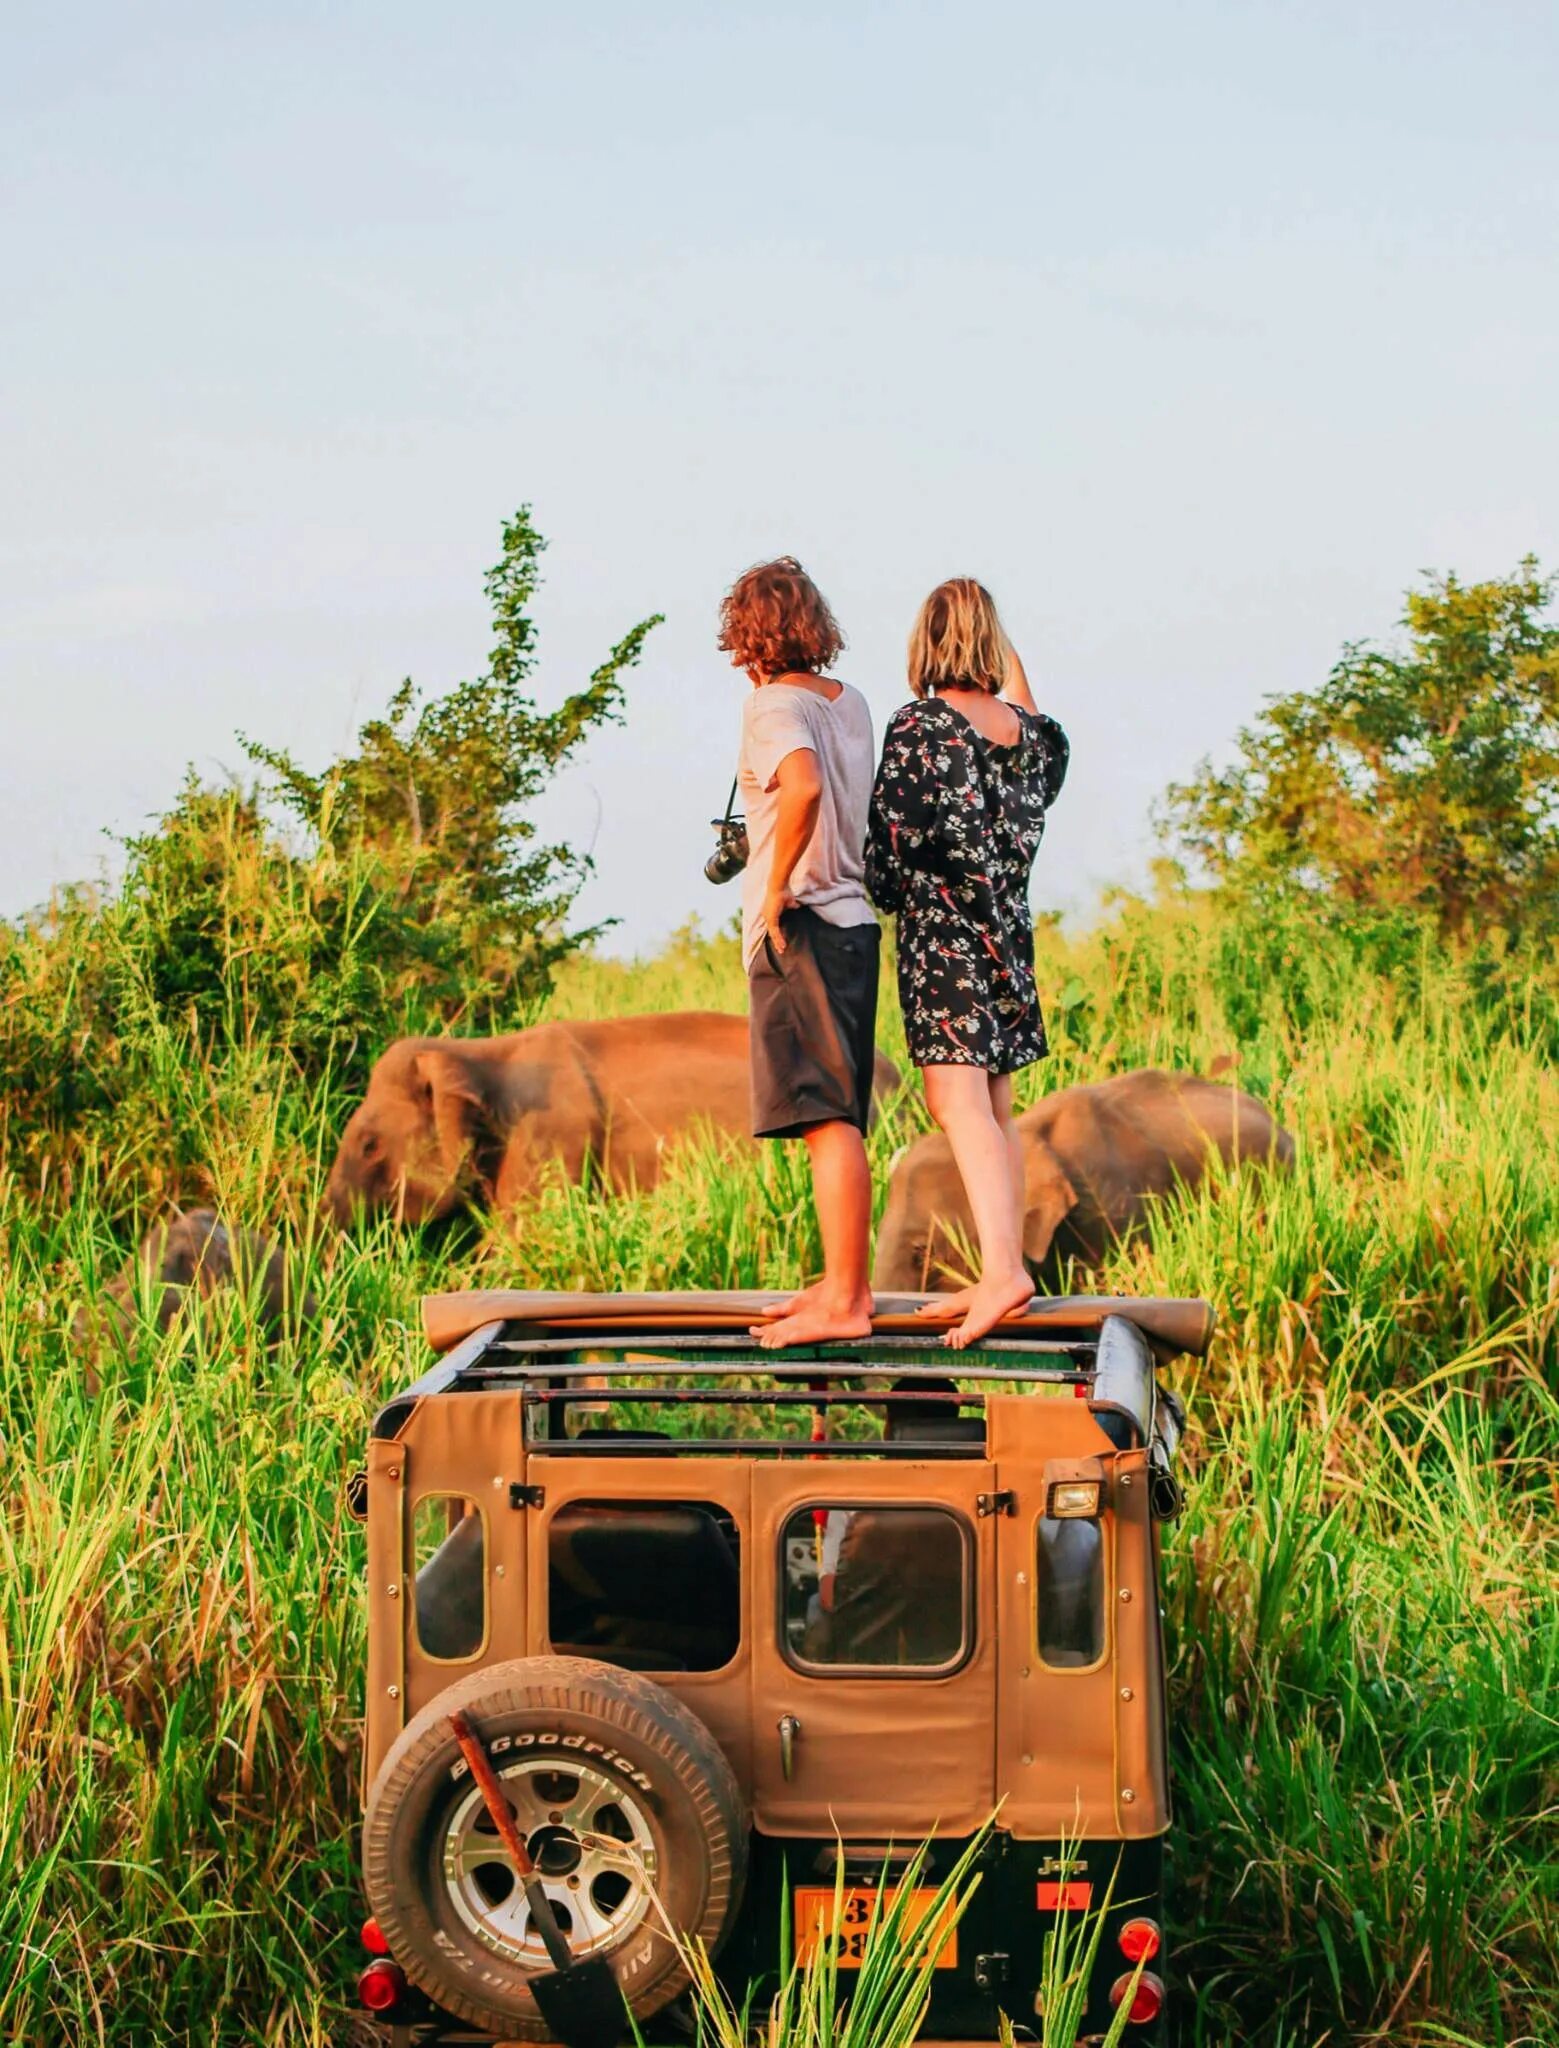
column 485, row 1779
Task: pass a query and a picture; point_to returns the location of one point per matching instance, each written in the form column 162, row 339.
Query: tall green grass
column 1361, row 1599
column 879, row 2001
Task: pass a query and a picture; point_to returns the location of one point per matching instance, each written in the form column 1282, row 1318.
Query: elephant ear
column 458, row 1108
column 1048, row 1196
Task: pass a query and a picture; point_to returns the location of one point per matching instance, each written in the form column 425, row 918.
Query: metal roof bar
column 734, row 1340
column 747, row 1368
column 744, row 1447
column 755, row 1397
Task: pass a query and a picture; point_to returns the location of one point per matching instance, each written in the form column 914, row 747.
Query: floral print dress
column 956, row 821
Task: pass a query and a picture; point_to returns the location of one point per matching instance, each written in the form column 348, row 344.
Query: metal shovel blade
column 583, row 2005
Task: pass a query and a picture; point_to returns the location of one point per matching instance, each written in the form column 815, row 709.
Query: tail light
column 382, row 1985
column 376, row 1945
column 1147, row 2002
column 1140, row 1940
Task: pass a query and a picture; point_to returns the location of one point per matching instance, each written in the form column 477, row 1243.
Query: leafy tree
column 1421, row 781
column 437, row 791
column 417, row 896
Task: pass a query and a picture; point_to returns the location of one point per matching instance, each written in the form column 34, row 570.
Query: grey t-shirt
column 829, row 878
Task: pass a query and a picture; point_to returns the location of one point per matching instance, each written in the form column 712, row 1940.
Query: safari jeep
column 723, row 1617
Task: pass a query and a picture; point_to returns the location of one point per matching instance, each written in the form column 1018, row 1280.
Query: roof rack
column 554, row 1342
column 1173, row 1325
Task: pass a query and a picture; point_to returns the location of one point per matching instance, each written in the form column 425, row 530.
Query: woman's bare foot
column 993, row 1298
column 824, row 1320
column 947, row 1308
column 807, row 1298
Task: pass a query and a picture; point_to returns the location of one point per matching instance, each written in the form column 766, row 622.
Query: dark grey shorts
column 814, row 1026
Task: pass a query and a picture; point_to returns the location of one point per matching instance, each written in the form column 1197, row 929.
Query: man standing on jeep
column 809, row 937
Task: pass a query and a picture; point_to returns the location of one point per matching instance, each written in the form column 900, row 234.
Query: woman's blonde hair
column 958, row 638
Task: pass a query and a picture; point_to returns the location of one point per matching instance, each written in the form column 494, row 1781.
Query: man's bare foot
column 993, row 1298
column 947, row 1308
column 807, row 1298
column 825, row 1320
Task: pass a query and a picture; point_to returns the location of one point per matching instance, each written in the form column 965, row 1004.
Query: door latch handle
column 789, row 1729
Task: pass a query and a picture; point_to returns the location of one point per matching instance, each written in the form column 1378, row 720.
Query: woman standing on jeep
column 968, row 771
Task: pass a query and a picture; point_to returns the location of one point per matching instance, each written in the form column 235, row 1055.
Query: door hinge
column 522, row 1496
column 990, row 1972
column 1003, row 1503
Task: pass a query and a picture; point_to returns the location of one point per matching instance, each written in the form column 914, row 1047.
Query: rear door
column 873, row 1648
column 643, row 1562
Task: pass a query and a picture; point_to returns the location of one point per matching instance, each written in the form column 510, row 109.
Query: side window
column 1069, row 1592
column 650, row 1585
column 875, row 1588
column 449, row 1559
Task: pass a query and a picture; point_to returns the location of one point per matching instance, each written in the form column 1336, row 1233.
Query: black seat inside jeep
column 652, row 1585
column 908, row 1421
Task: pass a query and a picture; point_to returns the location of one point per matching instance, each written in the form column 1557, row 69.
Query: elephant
column 1095, row 1157
column 448, row 1120
column 188, row 1259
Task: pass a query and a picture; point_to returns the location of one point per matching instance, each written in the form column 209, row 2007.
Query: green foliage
column 1361, row 1601
column 411, row 894
column 881, row 2002
column 1071, row 1953
column 439, row 793
column 1423, row 782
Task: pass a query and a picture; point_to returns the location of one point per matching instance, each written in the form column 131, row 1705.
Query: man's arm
column 800, row 797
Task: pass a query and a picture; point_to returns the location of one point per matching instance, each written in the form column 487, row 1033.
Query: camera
column 730, row 854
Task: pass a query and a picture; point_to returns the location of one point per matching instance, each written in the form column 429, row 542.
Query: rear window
column 450, row 1576
column 649, row 1585
column 1069, row 1593
column 875, row 1589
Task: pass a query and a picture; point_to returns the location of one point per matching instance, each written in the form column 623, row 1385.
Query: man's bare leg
column 840, row 1304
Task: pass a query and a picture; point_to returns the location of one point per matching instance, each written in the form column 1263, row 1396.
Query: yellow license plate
column 813, row 1908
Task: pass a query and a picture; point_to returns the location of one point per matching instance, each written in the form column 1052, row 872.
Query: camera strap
column 730, row 802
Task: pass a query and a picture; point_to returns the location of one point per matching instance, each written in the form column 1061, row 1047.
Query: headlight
column 1074, row 1500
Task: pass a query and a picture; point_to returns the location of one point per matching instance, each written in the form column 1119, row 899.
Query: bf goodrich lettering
column 552, row 1739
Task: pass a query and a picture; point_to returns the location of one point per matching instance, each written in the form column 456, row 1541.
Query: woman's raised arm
column 1016, row 688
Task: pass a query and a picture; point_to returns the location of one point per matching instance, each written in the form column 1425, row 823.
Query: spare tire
column 583, row 1750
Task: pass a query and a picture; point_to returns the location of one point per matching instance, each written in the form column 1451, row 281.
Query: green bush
column 299, row 925
column 1421, row 781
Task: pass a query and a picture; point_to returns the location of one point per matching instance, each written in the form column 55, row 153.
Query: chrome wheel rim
column 588, row 1839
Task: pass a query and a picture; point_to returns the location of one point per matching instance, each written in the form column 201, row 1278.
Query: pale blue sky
column 1196, row 331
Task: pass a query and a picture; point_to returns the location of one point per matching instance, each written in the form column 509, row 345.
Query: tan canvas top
column 1175, row 1325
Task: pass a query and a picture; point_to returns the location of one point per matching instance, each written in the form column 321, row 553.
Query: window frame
column 1105, row 1524
column 470, row 1501
column 919, row 1673
column 642, row 1503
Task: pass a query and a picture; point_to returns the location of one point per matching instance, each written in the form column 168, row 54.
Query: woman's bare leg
column 1001, row 1109
column 965, row 1105
column 947, row 1308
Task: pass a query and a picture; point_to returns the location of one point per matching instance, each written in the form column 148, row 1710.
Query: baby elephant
column 190, row 1258
column 1095, row 1158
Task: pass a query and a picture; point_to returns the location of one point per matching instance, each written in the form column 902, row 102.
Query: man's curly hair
column 774, row 618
